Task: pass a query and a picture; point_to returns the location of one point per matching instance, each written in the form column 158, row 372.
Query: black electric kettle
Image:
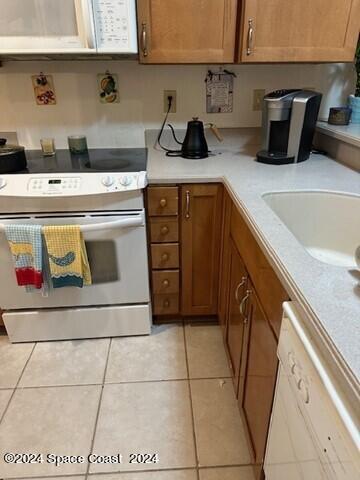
column 194, row 144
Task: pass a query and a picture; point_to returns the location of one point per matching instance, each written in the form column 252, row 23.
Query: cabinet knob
column 165, row 257
column 165, row 283
column 166, row 303
column 163, row 202
column 164, row 230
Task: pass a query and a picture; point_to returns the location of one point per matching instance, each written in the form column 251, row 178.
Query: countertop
column 328, row 295
column 346, row 133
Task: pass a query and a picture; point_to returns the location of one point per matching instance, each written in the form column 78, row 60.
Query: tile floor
column 169, row 393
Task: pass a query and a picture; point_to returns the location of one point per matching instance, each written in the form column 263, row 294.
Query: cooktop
column 95, row 160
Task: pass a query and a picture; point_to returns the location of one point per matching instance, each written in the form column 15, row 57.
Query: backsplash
column 79, row 111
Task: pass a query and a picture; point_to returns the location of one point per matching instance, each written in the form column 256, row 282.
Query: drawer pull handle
column 164, row 230
column 166, row 303
column 165, row 283
column 187, row 213
column 165, row 257
column 163, row 202
column 241, row 284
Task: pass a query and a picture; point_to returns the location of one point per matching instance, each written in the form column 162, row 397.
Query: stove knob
column 125, row 181
column 2, row 183
column 107, row 181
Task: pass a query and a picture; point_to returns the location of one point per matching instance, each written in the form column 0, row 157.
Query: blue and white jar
column 354, row 104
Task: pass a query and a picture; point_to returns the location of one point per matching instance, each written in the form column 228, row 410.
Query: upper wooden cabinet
column 228, row 31
column 201, row 215
column 187, row 31
column 299, row 30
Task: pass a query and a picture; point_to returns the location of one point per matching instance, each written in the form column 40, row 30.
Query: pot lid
column 9, row 149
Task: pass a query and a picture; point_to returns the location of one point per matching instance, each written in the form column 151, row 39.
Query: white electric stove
column 102, row 192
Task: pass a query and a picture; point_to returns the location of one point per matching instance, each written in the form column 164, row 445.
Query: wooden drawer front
column 266, row 283
column 166, row 304
column 165, row 281
column 164, row 229
column 165, row 255
column 163, row 201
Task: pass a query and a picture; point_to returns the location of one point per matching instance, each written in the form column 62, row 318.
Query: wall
column 79, row 111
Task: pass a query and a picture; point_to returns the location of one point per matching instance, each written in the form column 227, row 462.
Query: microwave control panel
column 112, row 24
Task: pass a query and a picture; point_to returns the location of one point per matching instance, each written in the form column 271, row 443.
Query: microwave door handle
column 136, row 221
column 88, row 23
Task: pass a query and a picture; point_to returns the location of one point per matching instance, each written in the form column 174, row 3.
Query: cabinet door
column 299, row 30
column 224, row 264
column 258, row 392
column 187, row 31
column 236, row 325
column 200, row 247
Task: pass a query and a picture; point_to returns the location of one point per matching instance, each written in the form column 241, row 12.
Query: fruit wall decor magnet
column 44, row 90
column 108, row 88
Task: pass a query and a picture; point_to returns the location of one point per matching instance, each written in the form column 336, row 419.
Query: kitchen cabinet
column 299, row 31
column 228, row 31
column 162, row 205
column 236, row 320
column 187, row 31
column 256, row 396
column 201, row 220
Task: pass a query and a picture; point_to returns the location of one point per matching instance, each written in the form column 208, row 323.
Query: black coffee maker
column 194, row 144
column 288, row 125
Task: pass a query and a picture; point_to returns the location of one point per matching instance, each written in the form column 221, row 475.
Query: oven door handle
column 136, row 221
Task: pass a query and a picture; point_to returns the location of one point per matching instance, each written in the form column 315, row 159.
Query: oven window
column 103, row 261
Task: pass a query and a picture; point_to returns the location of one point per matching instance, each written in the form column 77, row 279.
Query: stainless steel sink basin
column 327, row 224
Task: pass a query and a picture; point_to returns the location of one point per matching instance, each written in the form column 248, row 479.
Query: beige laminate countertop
column 328, row 295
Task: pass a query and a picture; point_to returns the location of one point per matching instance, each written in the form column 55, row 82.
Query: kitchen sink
column 327, row 224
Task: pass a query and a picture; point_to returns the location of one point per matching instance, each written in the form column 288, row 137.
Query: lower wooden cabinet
column 201, row 221
column 256, row 395
column 185, row 242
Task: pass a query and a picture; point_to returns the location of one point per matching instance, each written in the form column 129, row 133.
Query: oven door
column 117, row 251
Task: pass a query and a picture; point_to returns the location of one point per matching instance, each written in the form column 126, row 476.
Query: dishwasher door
column 313, row 432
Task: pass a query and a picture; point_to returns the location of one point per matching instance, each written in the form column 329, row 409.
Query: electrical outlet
column 258, row 96
column 167, row 94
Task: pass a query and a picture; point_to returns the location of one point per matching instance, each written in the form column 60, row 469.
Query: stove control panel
column 54, row 186
column 69, row 185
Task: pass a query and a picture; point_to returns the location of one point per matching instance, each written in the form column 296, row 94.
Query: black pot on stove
column 12, row 157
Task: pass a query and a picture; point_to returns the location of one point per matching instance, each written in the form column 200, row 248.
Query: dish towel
column 26, row 246
column 68, row 260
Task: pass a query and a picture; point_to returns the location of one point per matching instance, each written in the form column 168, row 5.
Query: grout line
column 27, row 387
column 99, row 405
column 191, row 405
column 16, row 385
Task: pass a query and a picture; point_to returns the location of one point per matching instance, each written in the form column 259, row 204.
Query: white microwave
column 68, row 26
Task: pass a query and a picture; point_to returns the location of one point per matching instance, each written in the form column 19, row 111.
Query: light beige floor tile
column 227, row 473
column 205, row 350
column 152, row 417
column 58, row 420
column 158, row 475
column 66, row 363
column 220, row 436
column 4, row 400
column 160, row 356
column 14, row 356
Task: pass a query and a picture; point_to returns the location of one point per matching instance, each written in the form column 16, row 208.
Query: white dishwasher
column 313, row 433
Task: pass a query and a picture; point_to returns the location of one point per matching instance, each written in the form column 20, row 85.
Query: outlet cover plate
column 168, row 93
column 258, row 96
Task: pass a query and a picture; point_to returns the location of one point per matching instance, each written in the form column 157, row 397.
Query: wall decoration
column 108, row 87
column 44, row 90
column 219, row 91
